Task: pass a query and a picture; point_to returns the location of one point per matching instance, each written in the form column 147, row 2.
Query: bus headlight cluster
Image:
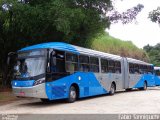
column 40, row 81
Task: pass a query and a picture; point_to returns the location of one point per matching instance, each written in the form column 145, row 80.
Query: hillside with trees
column 106, row 43
column 153, row 53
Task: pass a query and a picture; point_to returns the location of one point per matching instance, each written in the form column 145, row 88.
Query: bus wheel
column 72, row 94
column 112, row 89
column 45, row 100
column 144, row 86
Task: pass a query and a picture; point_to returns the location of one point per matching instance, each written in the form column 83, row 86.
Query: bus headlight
column 40, row 81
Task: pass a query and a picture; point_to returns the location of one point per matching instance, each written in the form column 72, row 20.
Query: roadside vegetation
column 106, row 43
column 153, row 53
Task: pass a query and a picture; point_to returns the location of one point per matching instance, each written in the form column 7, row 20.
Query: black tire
column 45, row 100
column 128, row 89
column 112, row 89
column 72, row 95
column 144, row 86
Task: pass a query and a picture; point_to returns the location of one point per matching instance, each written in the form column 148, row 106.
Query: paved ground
column 135, row 101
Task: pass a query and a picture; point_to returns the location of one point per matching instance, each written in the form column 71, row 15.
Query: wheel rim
column 112, row 89
column 145, row 86
column 73, row 94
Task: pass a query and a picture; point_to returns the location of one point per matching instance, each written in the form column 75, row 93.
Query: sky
column 142, row 31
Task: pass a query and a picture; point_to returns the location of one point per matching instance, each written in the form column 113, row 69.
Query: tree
column 154, row 54
column 127, row 16
column 148, row 48
column 155, row 15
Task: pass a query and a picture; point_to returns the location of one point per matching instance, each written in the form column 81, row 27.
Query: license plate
column 22, row 93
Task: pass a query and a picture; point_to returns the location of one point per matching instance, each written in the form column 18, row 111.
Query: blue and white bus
column 157, row 76
column 57, row 70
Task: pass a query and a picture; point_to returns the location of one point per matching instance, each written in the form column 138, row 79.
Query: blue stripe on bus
column 88, row 86
column 149, row 78
column 22, row 83
column 55, row 45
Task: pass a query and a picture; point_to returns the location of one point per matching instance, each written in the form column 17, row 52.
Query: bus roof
column 157, row 68
column 131, row 60
column 79, row 50
column 70, row 48
column 55, row 45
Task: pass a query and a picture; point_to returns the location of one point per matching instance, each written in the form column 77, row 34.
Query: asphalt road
column 135, row 102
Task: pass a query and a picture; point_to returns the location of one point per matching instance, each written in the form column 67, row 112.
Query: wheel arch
column 113, row 82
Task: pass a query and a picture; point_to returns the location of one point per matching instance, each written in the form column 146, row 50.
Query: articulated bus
column 57, row 70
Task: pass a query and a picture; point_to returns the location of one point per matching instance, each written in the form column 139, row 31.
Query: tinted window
column 71, row 62
column 94, row 60
column 136, row 68
column 140, row 69
column 32, row 53
column 111, row 66
column 57, row 61
column 117, row 67
column 150, row 69
column 71, row 57
column 94, row 64
column 84, row 63
column 104, row 65
column 131, row 68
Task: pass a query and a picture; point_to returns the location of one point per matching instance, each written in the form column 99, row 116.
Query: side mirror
column 8, row 60
column 11, row 55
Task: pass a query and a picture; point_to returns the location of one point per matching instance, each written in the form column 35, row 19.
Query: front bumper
column 37, row 91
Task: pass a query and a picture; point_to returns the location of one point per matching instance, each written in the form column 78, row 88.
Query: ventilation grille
column 58, row 91
column 86, row 91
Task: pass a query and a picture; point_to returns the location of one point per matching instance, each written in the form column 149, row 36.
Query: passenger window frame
column 74, row 68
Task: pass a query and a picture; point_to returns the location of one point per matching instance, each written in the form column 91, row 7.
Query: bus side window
column 141, row 69
column 94, row 64
column 150, row 69
column 71, row 62
column 57, row 61
column 104, row 65
column 117, row 67
column 136, row 68
column 145, row 69
column 111, row 66
column 131, row 68
column 84, row 63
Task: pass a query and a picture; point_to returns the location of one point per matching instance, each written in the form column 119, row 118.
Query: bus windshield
column 30, row 64
column 30, row 67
